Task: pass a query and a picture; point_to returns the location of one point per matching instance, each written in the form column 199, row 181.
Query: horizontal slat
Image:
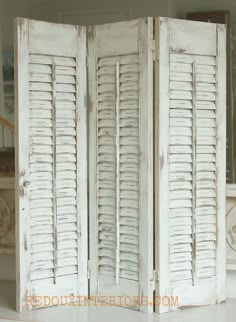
column 126, row 59
column 47, row 60
column 189, row 59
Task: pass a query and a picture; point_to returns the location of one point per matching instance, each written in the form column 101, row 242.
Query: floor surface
column 215, row 313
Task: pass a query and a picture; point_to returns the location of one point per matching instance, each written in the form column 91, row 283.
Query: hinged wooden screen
column 121, row 160
column 51, row 161
column 51, row 155
column 190, row 162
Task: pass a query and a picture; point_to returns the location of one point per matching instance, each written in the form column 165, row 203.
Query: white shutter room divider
column 121, row 160
column 51, row 157
column 190, row 154
column 176, row 250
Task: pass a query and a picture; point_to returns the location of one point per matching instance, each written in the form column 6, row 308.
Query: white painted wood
column 185, row 38
column 96, row 312
column 121, row 222
column 92, row 102
column 45, row 38
column 221, row 163
column 22, row 161
column 146, row 161
column 190, row 162
column 118, row 173
column 106, row 46
column 51, row 158
column 162, row 251
column 82, row 159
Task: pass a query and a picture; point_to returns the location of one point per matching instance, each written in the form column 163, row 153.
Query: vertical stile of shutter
column 55, row 251
column 194, row 159
column 21, row 160
column 221, row 163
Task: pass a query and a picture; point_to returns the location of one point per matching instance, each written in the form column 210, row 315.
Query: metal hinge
column 87, row 56
column 157, row 276
column 154, row 49
column 89, row 269
column 154, row 280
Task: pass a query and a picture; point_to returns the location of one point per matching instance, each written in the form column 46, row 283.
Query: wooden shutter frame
column 22, row 172
column 161, row 168
column 221, row 164
column 162, row 106
column 145, row 48
column 161, row 160
column 22, row 136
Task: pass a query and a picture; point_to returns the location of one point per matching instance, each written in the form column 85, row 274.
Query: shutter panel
column 190, row 162
column 51, row 161
column 121, row 166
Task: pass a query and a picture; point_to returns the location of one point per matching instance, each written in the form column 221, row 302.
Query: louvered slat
column 192, row 167
column 53, row 164
column 121, row 144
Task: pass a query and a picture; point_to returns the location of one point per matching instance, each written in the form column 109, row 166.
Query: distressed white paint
column 121, row 163
column 189, row 166
column 190, row 158
column 51, row 160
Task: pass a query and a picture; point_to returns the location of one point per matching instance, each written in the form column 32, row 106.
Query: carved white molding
column 5, row 217
column 231, row 226
column 7, row 221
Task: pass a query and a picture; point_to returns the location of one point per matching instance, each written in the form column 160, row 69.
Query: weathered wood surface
column 51, row 155
column 190, row 168
column 121, row 164
column 51, row 159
